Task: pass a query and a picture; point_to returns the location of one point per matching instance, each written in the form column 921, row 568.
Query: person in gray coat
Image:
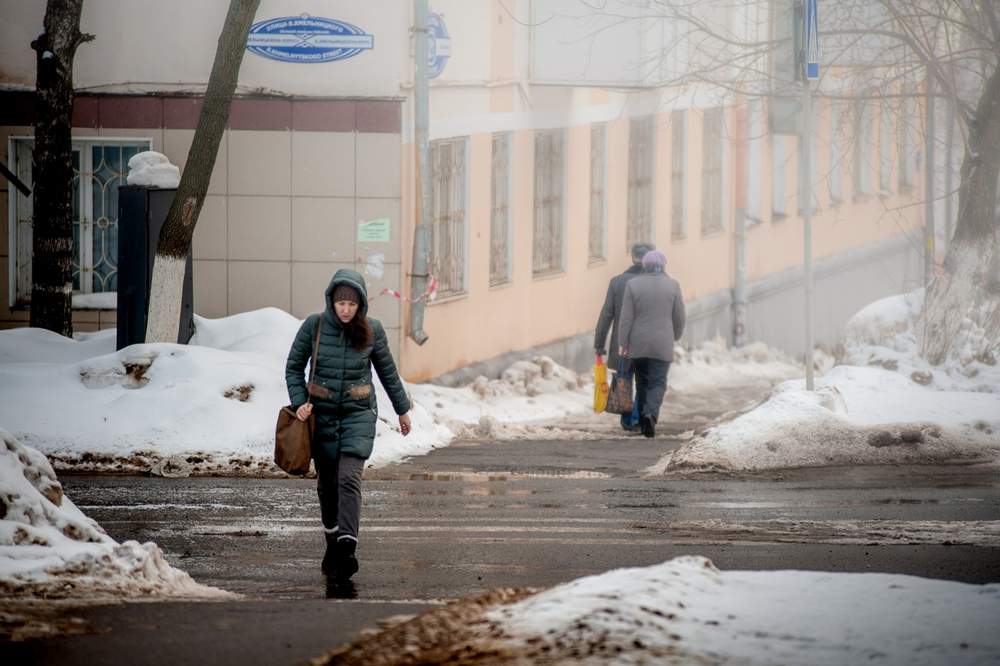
column 652, row 319
column 610, row 318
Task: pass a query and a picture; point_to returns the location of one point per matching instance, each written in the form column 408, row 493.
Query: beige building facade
column 541, row 182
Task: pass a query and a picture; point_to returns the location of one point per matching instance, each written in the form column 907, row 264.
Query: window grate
column 598, row 185
column 448, row 215
column 500, row 257
column 678, row 158
column 711, row 175
column 547, row 253
column 641, row 147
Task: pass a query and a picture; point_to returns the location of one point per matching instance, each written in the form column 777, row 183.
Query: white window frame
column 81, row 143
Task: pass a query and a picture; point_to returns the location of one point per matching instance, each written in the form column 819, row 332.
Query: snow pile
column 686, row 609
column 152, row 169
column 856, row 416
column 887, row 334
column 715, row 364
column 210, row 406
column 49, row 548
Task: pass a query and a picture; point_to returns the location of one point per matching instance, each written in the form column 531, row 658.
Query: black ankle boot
column 330, row 556
column 648, row 426
column 347, row 563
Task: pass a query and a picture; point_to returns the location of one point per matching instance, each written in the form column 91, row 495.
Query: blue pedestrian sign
column 307, row 38
column 812, row 41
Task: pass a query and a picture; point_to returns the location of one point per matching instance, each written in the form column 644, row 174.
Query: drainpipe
column 421, row 112
column 740, row 289
column 929, row 183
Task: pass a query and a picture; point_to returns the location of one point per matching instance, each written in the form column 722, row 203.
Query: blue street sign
column 812, row 40
column 307, row 38
column 438, row 45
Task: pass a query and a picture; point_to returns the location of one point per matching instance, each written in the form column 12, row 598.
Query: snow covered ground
column 886, row 405
column 210, row 406
column 686, row 611
column 50, row 549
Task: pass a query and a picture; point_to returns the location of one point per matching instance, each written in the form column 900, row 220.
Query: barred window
column 448, row 231
column 885, row 144
column 862, row 146
column 547, row 255
column 500, row 218
column 837, row 151
column 808, row 172
column 598, row 186
column 678, row 158
column 779, row 162
column 711, row 171
column 641, row 148
column 757, row 135
column 907, row 147
column 100, row 165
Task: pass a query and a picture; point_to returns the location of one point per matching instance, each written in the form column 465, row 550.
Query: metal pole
column 929, row 183
column 807, row 194
column 740, row 290
column 421, row 112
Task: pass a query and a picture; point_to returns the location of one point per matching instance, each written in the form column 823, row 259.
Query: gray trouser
column 338, row 484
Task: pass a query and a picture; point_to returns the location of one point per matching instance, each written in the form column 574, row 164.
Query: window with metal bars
column 711, row 171
column 907, row 147
column 885, row 146
column 448, row 225
column 500, row 218
column 100, row 165
column 678, row 159
column 641, row 149
column 547, row 254
column 862, row 146
column 598, row 186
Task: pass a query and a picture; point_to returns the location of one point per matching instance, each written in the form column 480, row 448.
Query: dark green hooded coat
column 345, row 419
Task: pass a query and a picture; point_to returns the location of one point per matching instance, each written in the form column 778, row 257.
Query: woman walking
column 652, row 319
column 343, row 398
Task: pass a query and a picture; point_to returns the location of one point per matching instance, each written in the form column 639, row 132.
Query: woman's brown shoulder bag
column 292, row 437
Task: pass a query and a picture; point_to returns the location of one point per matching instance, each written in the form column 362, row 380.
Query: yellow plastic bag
column 600, row 384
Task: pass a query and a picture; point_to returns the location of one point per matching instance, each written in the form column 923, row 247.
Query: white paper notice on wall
column 375, row 265
column 376, row 230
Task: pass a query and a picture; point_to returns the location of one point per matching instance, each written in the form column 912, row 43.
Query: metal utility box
column 141, row 213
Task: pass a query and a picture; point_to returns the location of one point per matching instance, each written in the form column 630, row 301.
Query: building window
column 448, row 215
column 641, row 148
column 757, row 133
column 862, row 146
column 711, row 171
column 598, row 187
column 885, row 143
column 807, row 172
column 678, row 158
column 547, row 255
column 500, row 218
column 99, row 167
column 837, row 152
column 779, row 162
column 907, row 147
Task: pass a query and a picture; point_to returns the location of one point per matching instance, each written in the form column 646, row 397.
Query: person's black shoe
column 330, row 556
column 347, row 563
column 648, row 426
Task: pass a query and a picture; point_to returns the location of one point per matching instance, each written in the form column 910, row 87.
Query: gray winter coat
column 652, row 317
column 611, row 315
column 346, row 413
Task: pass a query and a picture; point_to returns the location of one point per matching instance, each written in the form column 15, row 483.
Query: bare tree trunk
column 178, row 230
column 970, row 281
column 52, row 168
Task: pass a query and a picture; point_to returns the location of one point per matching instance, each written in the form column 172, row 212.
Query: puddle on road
column 487, row 477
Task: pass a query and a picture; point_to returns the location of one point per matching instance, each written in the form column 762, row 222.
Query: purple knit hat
column 654, row 258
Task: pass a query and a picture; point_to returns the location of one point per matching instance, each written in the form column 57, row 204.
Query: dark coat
column 653, row 317
column 346, row 415
column 611, row 314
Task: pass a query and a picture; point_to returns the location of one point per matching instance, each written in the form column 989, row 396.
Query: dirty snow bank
column 856, row 416
column 210, row 406
column 49, row 548
column 887, row 334
column 687, row 611
column 714, row 364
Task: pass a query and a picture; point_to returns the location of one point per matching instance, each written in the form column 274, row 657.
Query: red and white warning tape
column 430, row 294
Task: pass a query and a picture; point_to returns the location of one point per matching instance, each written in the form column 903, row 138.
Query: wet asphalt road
column 479, row 515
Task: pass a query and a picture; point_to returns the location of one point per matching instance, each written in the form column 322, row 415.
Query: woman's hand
column 404, row 424
column 622, row 352
column 303, row 412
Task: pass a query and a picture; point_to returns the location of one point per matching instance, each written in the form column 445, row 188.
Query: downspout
column 745, row 126
column 421, row 112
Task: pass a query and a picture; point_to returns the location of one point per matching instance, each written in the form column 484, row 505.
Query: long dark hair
column 359, row 332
